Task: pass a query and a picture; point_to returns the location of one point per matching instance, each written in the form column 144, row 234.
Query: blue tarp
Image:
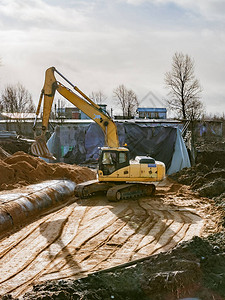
column 180, row 157
column 77, row 144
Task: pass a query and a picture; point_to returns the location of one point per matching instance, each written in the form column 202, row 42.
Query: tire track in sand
column 94, row 234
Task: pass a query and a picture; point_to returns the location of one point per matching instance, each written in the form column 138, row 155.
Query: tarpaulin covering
column 180, row 157
column 67, row 144
column 158, row 142
column 79, row 144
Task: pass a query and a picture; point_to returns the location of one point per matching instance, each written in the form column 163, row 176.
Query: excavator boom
column 80, row 100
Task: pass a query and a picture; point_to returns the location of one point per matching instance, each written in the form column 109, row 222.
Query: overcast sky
column 100, row 44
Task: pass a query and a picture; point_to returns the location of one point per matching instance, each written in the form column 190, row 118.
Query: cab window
column 107, row 159
column 122, row 157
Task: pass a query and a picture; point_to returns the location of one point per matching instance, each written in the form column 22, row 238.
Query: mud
column 21, row 169
column 193, row 269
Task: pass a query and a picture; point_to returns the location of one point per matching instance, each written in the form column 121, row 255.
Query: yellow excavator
column 117, row 176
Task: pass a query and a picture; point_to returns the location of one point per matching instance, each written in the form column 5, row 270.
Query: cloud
column 31, row 14
column 209, row 9
column 101, row 44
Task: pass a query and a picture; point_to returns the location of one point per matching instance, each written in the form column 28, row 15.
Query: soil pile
column 192, row 269
column 206, row 181
column 211, row 154
column 21, row 169
column 207, row 177
column 208, row 146
column 12, row 145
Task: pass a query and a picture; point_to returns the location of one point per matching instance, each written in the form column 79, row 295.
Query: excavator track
column 90, row 188
column 114, row 192
column 130, row 190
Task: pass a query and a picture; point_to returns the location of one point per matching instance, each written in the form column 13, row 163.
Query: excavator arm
column 81, row 101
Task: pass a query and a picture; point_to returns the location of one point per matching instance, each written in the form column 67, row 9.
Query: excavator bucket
column 39, row 148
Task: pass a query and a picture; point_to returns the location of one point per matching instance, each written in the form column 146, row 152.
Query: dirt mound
column 192, row 269
column 210, row 145
column 208, row 181
column 207, row 177
column 22, row 169
column 211, row 157
column 12, row 145
column 211, row 153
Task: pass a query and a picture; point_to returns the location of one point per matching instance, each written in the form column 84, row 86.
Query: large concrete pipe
column 17, row 206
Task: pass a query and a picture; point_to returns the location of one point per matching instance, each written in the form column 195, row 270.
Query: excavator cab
column 112, row 159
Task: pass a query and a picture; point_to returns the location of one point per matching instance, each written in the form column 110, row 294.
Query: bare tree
column 127, row 100
column 185, row 89
column 16, row 99
column 98, row 97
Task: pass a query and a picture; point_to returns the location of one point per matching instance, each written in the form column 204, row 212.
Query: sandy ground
column 94, row 234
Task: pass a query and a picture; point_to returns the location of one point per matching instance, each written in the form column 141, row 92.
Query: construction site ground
column 169, row 246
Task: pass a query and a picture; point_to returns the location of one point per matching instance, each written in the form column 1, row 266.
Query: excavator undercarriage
column 114, row 191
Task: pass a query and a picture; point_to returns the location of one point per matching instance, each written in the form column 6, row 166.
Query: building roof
column 16, row 116
column 150, row 109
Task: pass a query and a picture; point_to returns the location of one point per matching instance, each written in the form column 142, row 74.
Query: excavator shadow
column 57, row 245
column 150, row 219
